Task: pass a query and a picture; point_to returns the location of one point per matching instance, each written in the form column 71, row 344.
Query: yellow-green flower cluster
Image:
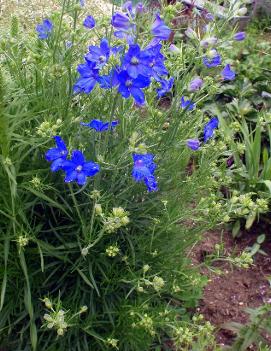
column 117, row 219
column 56, row 320
column 48, row 128
column 112, row 251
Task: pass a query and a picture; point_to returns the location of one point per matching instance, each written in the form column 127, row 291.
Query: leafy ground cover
column 118, row 152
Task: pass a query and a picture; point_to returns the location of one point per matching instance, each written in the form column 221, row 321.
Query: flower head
column 227, row 73
column 78, row 169
column 156, row 59
column 143, row 170
column 188, row 104
column 193, row 144
column 129, row 86
column 57, row 154
column 195, row 84
column 239, row 36
column 136, row 62
column 99, row 55
column 44, row 29
column 89, row 22
column 166, row 86
column 159, row 30
column 100, row 126
column 209, row 128
column 88, row 77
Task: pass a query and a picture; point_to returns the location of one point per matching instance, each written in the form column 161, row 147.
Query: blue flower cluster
column 77, row 168
column 137, row 66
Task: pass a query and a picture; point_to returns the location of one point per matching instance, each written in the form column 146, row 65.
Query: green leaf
column 261, row 239
column 236, row 229
column 250, row 220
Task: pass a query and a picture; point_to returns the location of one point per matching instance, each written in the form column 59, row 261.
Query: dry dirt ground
column 227, row 294
column 29, row 11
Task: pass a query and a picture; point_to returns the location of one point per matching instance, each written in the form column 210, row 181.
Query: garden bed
column 231, row 290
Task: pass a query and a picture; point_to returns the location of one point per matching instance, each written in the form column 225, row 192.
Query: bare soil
column 227, row 294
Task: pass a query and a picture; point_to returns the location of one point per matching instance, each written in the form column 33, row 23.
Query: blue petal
column 138, row 95
column 91, row 168
column 81, row 178
column 77, row 157
column 124, row 91
column 70, row 176
column 57, row 164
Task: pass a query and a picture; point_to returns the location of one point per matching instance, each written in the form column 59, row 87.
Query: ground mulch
column 232, row 290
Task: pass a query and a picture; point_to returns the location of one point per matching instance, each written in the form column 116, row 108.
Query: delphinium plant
column 105, row 154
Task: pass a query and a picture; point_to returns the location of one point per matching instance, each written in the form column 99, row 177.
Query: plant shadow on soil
column 232, row 290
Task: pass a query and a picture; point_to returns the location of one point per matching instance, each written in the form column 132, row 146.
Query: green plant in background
column 254, row 332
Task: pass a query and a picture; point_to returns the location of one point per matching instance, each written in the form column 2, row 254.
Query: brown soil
column 227, row 294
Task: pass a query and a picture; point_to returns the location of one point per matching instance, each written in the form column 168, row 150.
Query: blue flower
column 195, row 84
column 125, row 29
column 110, row 80
column 129, row 86
column 143, row 170
column 100, row 126
column 82, row 3
column 193, row 144
column 213, row 61
column 188, row 104
column 160, row 30
column 88, row 79
column 89, row 22
column 99, row 55
column 57, row 154
column 44, row 29
column 136, row 62
column 227, row 73
column 209, row 128
column 156, row 64
column 77, row 169
column 166, row 86
column 239, row 36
